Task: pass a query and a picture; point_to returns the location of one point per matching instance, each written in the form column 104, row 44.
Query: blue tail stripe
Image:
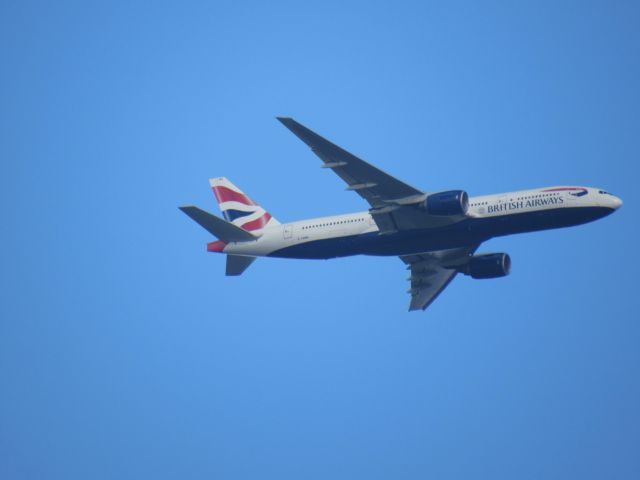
column 231, row 214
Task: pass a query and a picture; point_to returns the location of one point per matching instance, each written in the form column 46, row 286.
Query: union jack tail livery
column 238, row 208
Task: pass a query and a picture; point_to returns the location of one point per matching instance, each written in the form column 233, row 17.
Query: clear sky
column 125, row 352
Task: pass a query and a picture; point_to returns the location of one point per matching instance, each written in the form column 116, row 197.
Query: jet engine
column 489, row 265
column 453, row 202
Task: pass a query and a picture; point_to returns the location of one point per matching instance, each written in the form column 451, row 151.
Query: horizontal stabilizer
column 237, row 264
column 225, row 231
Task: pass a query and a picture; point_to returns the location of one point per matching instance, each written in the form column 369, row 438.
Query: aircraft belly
column 402, row 243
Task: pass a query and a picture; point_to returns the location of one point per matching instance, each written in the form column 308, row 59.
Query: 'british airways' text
column 533, row 203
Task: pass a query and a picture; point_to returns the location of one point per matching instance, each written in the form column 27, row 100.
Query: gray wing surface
column 393, row 202
column 431, row 273
column 217, row 226
column 375, row 186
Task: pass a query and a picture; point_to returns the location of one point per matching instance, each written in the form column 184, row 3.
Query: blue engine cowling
column 453, row 202
column 491, row 265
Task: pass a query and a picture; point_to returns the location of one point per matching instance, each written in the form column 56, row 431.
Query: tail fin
column 238, row 208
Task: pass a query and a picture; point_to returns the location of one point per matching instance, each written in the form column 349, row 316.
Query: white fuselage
column 554, row 202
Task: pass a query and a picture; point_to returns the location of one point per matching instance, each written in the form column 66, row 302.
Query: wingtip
column 286, row 121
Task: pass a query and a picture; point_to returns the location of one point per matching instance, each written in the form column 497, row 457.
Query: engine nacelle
column 490, row 265
column 453, row 202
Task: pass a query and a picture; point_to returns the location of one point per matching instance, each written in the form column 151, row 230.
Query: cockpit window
column 602, row 192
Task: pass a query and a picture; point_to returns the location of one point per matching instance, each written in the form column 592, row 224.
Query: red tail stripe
column 224, row 194
column 258, row 223
column 217, row 246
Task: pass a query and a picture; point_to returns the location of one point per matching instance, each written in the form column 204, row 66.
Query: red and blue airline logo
column 224, row 194
column 575, row 191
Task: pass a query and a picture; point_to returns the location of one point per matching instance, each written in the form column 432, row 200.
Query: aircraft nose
column 616, row 203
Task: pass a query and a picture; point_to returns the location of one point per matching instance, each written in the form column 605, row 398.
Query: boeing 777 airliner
column 435, row 234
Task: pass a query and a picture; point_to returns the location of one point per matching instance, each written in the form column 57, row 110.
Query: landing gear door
column 287, row 232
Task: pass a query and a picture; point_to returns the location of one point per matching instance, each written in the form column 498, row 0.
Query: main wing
column 375, row 186
column 431, row 273
column 393, row 202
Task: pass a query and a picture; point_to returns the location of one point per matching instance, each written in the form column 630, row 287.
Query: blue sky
column 126, row 353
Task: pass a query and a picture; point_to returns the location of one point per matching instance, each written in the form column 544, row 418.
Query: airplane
column 436, row 234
